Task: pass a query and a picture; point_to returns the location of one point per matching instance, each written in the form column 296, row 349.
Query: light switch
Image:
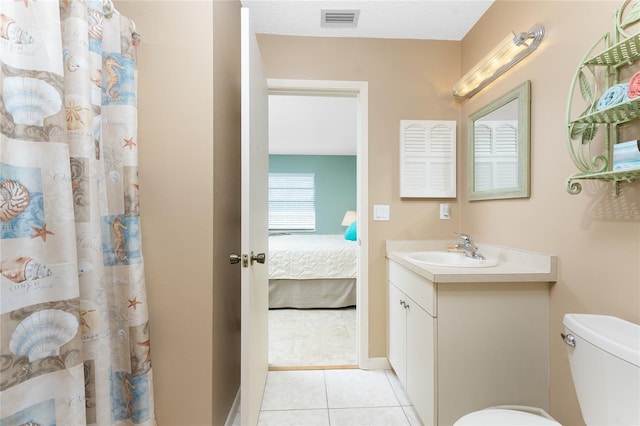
column 380, row 212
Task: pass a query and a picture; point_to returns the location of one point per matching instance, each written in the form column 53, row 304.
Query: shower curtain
column 74, row 343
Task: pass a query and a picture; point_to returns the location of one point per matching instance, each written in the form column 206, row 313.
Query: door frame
column 359, row 90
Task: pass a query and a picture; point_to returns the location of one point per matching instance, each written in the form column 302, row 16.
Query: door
column 254, row 275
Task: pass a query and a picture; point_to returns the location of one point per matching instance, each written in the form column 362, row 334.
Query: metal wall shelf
column 620, row 53
column 624, row 52
column 618, row 114
column 616, row 177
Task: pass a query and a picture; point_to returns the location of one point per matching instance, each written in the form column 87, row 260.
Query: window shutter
column 483, row 152
column 496, row 155
column 427, row 159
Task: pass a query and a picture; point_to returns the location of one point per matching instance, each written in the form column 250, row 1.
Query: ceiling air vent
column 340, row 18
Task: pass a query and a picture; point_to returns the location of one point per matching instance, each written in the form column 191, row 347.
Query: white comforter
column 311, row 256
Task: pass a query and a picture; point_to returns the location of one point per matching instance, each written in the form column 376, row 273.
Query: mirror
column 499, row 147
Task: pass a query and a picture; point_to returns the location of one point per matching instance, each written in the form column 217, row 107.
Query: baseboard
column 234, row 411
column 381, row 363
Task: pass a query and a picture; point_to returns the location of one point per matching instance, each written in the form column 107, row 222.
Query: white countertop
column 514, row 265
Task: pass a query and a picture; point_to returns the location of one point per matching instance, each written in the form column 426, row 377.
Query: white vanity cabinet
column 461, row 343
column 411, row 337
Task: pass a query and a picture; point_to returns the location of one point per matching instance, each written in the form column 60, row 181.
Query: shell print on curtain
column 74, row 325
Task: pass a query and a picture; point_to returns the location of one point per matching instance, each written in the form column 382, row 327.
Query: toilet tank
column 605, row 366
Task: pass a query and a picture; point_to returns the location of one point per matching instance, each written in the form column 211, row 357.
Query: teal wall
column 335, row 185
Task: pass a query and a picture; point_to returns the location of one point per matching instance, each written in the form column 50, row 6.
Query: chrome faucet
column 468, row 246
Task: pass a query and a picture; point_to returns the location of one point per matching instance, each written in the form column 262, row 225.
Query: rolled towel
column 634, row 86
column 614, row 95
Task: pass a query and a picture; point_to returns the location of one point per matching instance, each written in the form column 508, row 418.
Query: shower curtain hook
column 135, row 36
column 107, row 7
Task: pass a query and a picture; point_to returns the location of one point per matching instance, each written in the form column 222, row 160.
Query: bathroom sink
column 450, row 259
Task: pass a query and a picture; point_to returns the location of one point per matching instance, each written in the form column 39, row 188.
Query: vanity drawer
column 421, row 290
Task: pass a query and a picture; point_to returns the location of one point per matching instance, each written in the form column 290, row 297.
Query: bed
column 312, row 271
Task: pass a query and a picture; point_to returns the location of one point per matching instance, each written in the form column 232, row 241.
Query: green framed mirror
column 499, row 145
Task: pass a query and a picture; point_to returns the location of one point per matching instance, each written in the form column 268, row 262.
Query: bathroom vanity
column 462, row 339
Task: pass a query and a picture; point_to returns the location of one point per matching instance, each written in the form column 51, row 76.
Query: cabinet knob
column 402, row 302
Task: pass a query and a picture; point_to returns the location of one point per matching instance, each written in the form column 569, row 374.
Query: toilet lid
column 502, row 417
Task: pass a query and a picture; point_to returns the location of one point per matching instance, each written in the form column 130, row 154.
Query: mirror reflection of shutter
column 483, row 167
column 427, row 159
column 506, row 154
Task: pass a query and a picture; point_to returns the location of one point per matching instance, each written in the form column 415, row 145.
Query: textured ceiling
column 321, row 126
column 403, row 19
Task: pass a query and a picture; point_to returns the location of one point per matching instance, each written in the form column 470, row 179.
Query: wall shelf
column 618, row 114
column 592, row 134
column 616, row 177
column 624, row 52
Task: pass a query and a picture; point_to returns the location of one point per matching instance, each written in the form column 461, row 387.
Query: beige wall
column 596, row 236
column 226, row 213
column 193, row 291
column 194, row 311
column 408, row 79
column 598, row 250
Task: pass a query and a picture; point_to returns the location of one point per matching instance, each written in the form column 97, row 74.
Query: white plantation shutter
column 427, row 159
column 496, row 155
column 483, row 152
column 292, row 201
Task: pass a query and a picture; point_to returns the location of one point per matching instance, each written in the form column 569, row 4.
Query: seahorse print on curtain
column 76, row 343
column 110, row 66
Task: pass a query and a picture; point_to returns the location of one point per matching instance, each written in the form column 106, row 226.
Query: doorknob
column 236, row 258
column 260, row 258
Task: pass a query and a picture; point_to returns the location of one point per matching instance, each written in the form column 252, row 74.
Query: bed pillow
column 351, row 232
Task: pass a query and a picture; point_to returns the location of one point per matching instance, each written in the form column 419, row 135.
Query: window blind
column 292, row 201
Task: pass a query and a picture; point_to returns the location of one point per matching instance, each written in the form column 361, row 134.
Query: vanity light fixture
column 509, row 52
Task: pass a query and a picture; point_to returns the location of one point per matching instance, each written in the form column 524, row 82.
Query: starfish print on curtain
column 75, row 345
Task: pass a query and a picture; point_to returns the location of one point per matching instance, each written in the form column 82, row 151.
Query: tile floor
column 347, row 397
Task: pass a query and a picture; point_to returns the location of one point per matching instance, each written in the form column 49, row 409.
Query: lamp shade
column 349, row 218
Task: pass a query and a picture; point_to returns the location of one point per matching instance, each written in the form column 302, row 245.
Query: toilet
column 604, row 357
column 507, row 415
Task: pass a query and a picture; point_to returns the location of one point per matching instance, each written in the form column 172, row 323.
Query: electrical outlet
column 445, row 213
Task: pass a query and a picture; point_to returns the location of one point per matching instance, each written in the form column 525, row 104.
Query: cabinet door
column 421, row 362
column 397, row 333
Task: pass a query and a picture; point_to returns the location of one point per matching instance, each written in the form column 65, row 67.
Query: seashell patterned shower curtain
column 74, row 325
